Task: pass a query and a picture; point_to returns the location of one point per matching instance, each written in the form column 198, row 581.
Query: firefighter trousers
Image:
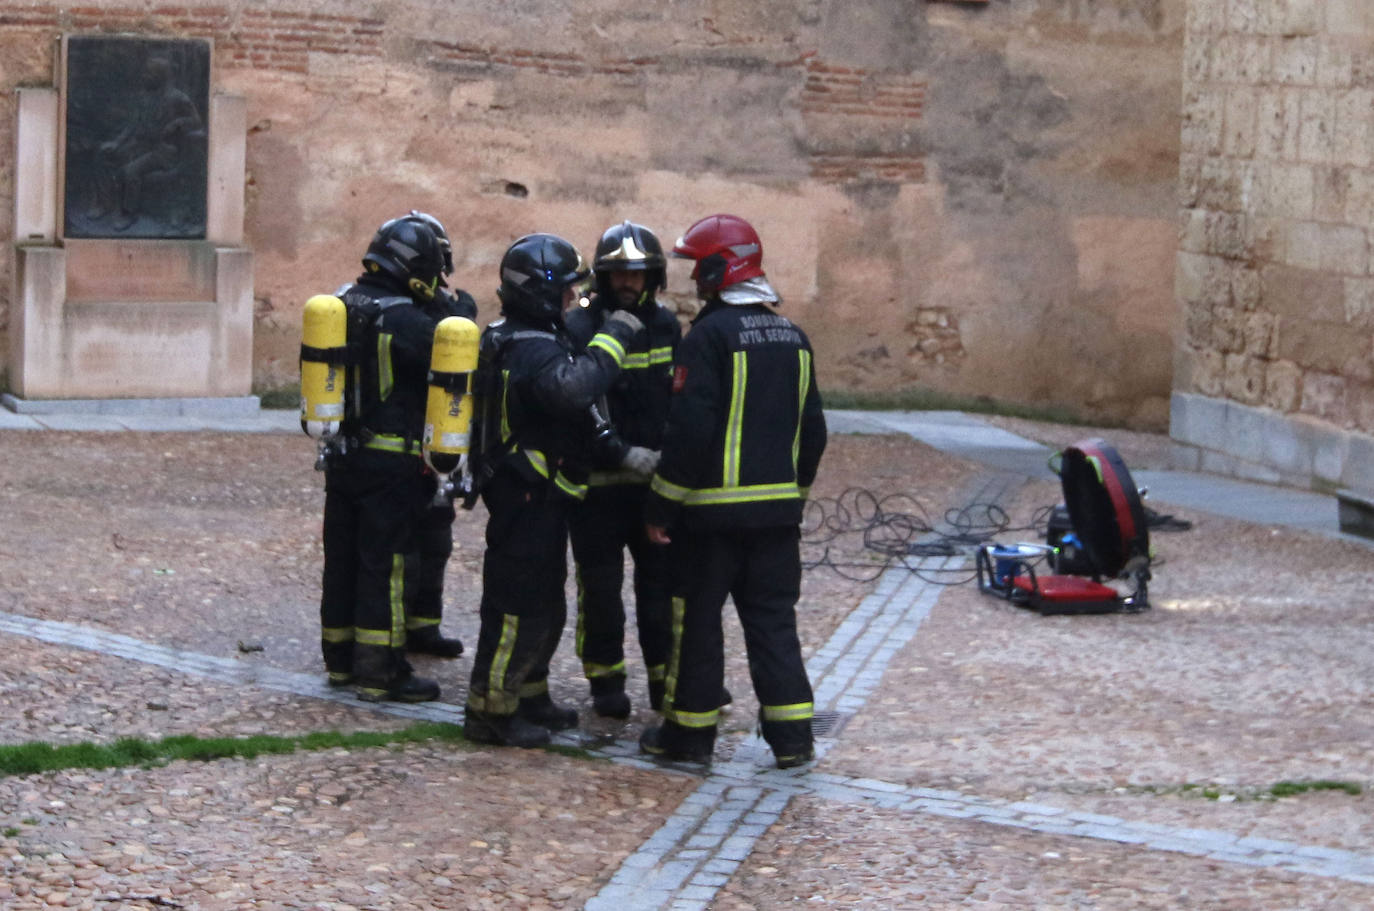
column 371, row 504
column 605, row 524
column 426, row 564
column 523, row 607
column 760, row 568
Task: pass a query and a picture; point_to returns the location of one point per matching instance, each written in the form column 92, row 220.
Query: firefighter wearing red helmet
column 744, row 438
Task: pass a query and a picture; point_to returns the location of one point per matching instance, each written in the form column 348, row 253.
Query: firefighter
column 630, row 269
column 744, row 437
column 375, row 479
column 531, row 428
column 433, row 544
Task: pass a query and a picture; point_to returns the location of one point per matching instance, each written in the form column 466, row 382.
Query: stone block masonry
column 1275, row 261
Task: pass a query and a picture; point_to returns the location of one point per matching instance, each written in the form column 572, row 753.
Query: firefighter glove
column 641, row 460
column 626, row 319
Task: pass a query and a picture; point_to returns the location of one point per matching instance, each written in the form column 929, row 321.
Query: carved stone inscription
column 136, row 137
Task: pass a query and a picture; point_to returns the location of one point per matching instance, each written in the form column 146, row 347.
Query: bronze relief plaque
column 137, row 137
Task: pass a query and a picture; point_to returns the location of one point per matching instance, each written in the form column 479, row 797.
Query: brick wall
column 941, row 187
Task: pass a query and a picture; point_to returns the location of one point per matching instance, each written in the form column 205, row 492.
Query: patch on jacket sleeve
column 679, row 377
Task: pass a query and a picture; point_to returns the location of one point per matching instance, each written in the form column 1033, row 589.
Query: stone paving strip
column 685, row 863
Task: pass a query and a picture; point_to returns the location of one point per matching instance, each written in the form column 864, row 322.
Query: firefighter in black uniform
column 531, row 431
column 745, row 435
column 629, row 269
column 433, row 543
column 375, row 484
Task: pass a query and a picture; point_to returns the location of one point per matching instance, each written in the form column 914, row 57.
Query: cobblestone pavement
column 973, row 755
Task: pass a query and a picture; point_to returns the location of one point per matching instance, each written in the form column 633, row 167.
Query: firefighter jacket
column 745, row 429
column 543, row 390
column 390, row 378
column 637, row 402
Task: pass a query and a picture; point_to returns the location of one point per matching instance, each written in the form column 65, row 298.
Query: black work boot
column 503, row 730
column 543, row 711
column 670, row 741
column 427, row 640
column 406, row 688
column 725, row 697
column 608, row 697
column 791, row 757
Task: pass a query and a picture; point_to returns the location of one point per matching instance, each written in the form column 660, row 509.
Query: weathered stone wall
column 968, row 197
column 1274, row 274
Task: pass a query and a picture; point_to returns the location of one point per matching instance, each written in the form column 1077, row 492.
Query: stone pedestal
column 124, row 318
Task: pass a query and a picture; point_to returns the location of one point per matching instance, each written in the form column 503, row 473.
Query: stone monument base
column 219, row 407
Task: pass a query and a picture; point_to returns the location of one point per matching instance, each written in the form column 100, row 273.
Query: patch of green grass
column 279, row 397
column 1292, row 788
column 916, row 399
column 35, row 758
column 9, row 832
column 1273, row 792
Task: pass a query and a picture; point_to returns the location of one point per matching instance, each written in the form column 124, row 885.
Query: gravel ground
column 1252, row 669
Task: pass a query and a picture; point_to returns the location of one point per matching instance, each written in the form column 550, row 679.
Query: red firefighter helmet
column 726, row 249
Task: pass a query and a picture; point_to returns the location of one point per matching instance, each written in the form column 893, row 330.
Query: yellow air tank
column 324, row 334
column 448, row 411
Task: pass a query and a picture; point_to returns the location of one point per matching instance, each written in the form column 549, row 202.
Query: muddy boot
column 429, row 641
column 608, row 697
column 543, row 711
column 406, row 688
column 678, row 744
column 794, row 757
column 503, row 730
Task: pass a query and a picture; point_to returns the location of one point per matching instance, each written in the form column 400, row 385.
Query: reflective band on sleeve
column 608, row 344
column 337, row 634
column 668, row 490
column 537, row 461
column 654, row 357
column 576, row 491
column 800, row 711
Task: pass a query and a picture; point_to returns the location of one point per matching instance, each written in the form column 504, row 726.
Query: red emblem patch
column 679, row 377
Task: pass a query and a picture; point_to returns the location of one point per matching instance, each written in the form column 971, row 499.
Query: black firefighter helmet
column 408, row 250
column 535, row 271
column 628, row 247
